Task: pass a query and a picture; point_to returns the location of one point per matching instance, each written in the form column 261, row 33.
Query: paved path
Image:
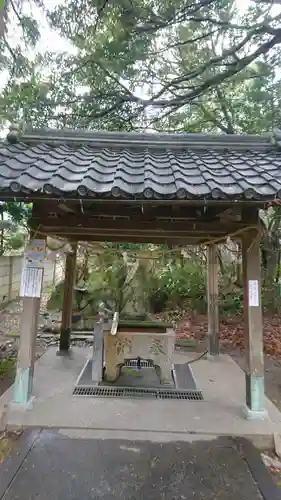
column 67, row 466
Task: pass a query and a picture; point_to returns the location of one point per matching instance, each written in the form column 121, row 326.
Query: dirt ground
column 5, row 383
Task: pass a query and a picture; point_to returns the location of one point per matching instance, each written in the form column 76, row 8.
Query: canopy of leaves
column 169, row 65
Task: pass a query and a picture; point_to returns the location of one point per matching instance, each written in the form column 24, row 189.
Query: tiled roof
column 196, row 166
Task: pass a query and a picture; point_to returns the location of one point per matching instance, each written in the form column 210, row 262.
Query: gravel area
column 10, row 317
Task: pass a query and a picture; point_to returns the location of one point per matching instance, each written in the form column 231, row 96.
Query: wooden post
column 54, row 273
column 10, row 290
column 98, row 348
column 69, row 281
column 253, row 326
column 26, row 356
column 213, row 304
column 27, row 348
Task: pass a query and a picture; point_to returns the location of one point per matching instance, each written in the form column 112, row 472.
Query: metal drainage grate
column 144, row 363
column 137, row 392
column 176, row 394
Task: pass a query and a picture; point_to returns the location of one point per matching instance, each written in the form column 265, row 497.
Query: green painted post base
column 255, row 392
column 23, row 385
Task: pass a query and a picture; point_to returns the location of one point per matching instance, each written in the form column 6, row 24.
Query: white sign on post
column 31, row 282
column 35, row 253
column 254, row 295
column 32, row 273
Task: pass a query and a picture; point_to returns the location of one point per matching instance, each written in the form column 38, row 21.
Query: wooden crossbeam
column 65, row 224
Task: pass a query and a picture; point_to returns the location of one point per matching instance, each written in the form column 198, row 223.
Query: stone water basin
column 146, row 340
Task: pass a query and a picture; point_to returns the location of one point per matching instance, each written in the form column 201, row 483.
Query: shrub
column 177, row 284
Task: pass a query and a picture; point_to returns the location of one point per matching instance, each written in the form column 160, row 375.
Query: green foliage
column 15, row 241
column 55, row 301
column 31, row 32
column 231, row 303
column 17, row 211
column 176, row 284
column 13, row 216
column 171, row 65
column 184, row 287
column 112, row 291
column 107, row 282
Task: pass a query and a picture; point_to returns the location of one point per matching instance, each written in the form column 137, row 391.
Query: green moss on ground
column 6, row 446
column 7, row 367
column 8, row 443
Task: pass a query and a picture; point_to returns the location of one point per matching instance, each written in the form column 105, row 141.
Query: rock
column 3, row 418
column 8, row 349
column 16, row 431
column 271, row 461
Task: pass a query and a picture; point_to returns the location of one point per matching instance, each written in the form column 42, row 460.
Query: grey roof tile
column 140, row 166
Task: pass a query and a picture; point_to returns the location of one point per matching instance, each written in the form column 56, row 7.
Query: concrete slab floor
column 221, row 413
column 65, row 464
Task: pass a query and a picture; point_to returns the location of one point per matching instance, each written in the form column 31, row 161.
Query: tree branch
column 212, row 82
column 229, row 128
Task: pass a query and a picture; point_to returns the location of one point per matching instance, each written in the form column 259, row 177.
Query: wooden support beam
column 157, row 226
column 144, row 238
column 213, row 301
column 69, row 281
column 146, row 211
column 156, row 232
column 253, row 325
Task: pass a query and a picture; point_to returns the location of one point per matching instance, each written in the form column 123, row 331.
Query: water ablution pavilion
column 178, row 189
